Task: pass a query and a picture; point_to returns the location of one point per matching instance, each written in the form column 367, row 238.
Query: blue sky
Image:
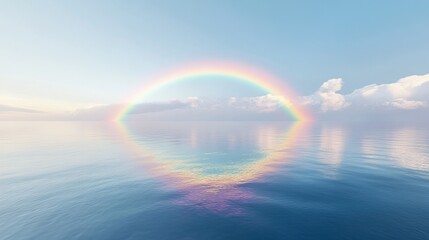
column 69, row 54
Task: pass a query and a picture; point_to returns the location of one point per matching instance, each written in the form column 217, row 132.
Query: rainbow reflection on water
column 208, row 175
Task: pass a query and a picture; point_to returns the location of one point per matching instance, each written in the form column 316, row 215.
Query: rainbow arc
column 234, row 71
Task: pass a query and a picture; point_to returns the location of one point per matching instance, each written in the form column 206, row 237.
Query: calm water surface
column 213, row 180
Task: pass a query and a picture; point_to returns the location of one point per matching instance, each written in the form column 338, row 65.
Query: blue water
column 213, row 180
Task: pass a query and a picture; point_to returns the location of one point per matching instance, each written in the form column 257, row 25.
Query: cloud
column 327, row 97
column 267, row 103
column 159, row 106
column 6, row 108
column 406, row 104
column 267, row 107
column 406, row 99
column 101, row 112
column 407, row 94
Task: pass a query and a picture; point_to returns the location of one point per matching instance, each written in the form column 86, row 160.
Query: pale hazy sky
column 63, row 55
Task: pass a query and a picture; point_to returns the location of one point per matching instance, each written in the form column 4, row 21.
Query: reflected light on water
column 400, row 146
column 409, row 154
column 332, row 140
column 204, row 179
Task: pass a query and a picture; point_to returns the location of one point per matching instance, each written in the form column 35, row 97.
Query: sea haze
column 213, row 180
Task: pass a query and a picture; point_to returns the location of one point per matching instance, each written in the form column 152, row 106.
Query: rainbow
column 240, row 72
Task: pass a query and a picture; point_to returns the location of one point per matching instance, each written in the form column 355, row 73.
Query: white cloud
column 194, row 102
column 406, row 104
column 327, row 97
column 267, row 107
column 161, row 106
column 100, row 112
column 6, row 108
column 407, row 93
column 267, row 103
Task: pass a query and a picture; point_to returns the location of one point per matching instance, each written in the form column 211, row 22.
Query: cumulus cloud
column 327, row 97
column 100, row 112
column 407, row 94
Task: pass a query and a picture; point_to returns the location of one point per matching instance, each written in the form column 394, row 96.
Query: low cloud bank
column 106, row 112
column 404, row 100
column 6, row 108
column 261, row 104
column 266, row 107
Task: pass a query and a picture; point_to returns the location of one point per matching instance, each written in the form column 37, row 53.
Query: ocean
column 213, row 180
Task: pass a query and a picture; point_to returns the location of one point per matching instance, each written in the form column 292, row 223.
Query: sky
column 59, row 57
